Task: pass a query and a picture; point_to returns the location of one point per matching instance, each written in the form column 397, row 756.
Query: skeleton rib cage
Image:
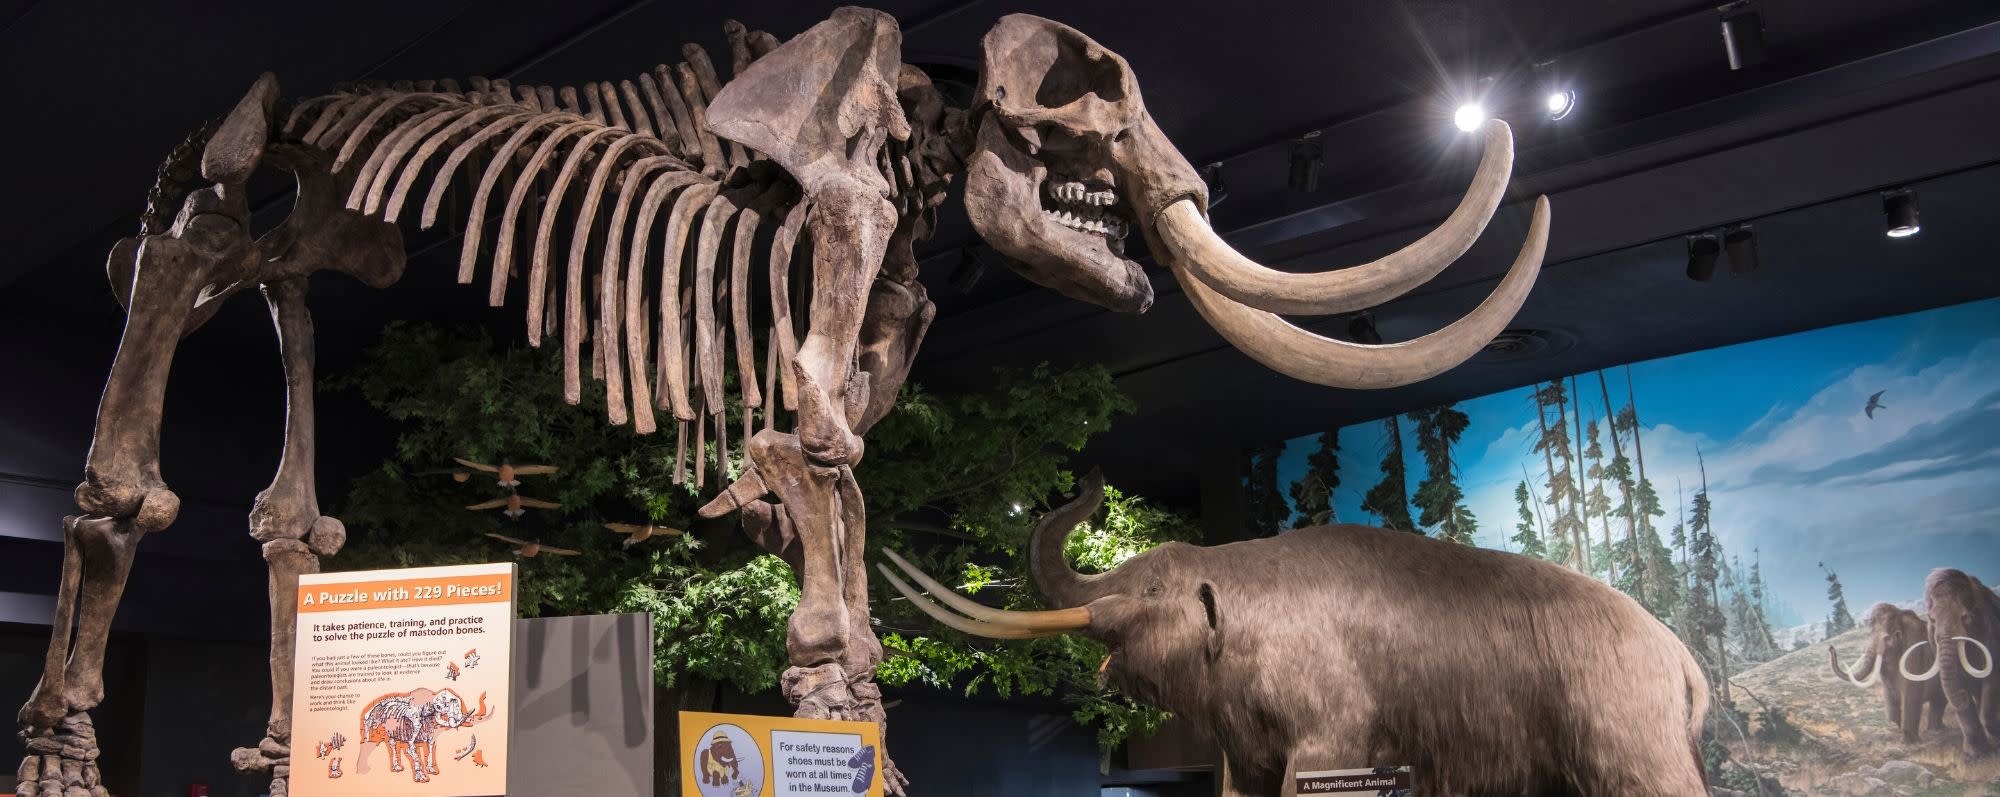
column 661, row 221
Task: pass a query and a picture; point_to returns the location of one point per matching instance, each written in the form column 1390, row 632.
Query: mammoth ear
column 1213, row 609
column 233, row 151
column 823, row 103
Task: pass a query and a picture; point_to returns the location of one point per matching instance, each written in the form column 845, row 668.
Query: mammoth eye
column 1156, row 589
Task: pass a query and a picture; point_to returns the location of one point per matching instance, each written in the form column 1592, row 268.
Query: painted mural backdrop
column 1759, row 498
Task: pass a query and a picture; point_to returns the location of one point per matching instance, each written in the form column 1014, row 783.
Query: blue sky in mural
column 1798, row 473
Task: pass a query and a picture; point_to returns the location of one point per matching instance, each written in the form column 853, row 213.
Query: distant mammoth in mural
column 1965, row 623
column 1349, row 646
column 408, row 722
column 1893, row 635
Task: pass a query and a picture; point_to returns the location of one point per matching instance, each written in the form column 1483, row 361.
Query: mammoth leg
column 285, row 518
column 898, row 315
column 123, row 498
column 1908, row 709
column 851, row 225
column 817, row 636
column 1242, row 780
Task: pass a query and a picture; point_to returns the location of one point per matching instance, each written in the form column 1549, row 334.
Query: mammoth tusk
column 1185, row 232
column 1903, row 665
column 973, row 627
column 1303, row 355
column 1056, row 620
column 1983, row 652
column 1873, row 676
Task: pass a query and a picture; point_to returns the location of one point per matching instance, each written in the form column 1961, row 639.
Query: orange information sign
column 400, row 682
column 746, row 755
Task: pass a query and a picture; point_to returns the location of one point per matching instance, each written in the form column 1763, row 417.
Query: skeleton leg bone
column 286, row 519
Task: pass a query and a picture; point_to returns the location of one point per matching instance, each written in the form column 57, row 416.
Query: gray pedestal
column 583, row 706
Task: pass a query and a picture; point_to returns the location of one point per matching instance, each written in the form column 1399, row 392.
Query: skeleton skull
column 1066, row 162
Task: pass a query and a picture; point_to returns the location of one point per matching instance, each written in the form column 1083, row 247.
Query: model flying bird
column 459, row 475
column 505, row 472
column 635, row 533
column 530, row 550
column 516, row 504
column 1875, row 403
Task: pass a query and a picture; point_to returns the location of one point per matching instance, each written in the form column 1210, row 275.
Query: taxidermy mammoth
column 698, row 242
column 1330, row 647
column 1892, row 635
column 1965, row 620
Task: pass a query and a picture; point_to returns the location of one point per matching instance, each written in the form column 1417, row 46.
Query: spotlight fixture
column 1469, row 116
column 1217, row 189
column 1899, row 207
column 1560, row 103
column 1742, row 35
column 1741, row 244
column 1702, row 251
column 1558, row 97
column 1306, row 161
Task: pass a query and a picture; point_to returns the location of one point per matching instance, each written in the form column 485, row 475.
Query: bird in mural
column 637, row 533
column 1875, row 403
column 516, row 505
column 506, row 472
column 530, row 550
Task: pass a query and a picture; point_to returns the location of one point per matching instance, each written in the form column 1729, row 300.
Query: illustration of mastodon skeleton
column 409, row 722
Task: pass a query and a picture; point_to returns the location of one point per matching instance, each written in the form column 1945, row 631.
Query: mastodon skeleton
column 632, row 216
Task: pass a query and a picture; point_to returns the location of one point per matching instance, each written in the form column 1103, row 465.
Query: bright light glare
column 1903, row 232
column 1469, row 116
column 1561, row 102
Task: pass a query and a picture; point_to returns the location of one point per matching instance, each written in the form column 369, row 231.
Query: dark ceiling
column 1855, row 96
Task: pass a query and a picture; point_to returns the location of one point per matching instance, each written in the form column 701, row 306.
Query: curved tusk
column 1903, row 664
column 1054, row 620
column 1187, row 233
column 1873, row 676
column 1303, row 355
column 1983, row 652
column 972, row 627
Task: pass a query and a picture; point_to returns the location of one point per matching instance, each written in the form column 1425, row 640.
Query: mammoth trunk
column 1866, row 669
column 1058, row 583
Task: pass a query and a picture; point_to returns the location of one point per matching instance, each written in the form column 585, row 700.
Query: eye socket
column 1123, row 136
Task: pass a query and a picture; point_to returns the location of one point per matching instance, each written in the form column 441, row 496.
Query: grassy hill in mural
column 1840, row 740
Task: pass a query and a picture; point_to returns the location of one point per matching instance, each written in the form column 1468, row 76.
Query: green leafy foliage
column 954, row 482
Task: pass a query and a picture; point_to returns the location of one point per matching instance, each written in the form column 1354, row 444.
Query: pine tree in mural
column 1746, row 624
column 1656, row 584
column 1312, row 494
column 1597, row 504
column 1704, row 619
column 1440, row 501
column 1582, row 517
column 1266, row 506
column 1565, row 539
column 1619, row 471
column 1389, row 499
column 1839, row 620
column 1525, row 534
